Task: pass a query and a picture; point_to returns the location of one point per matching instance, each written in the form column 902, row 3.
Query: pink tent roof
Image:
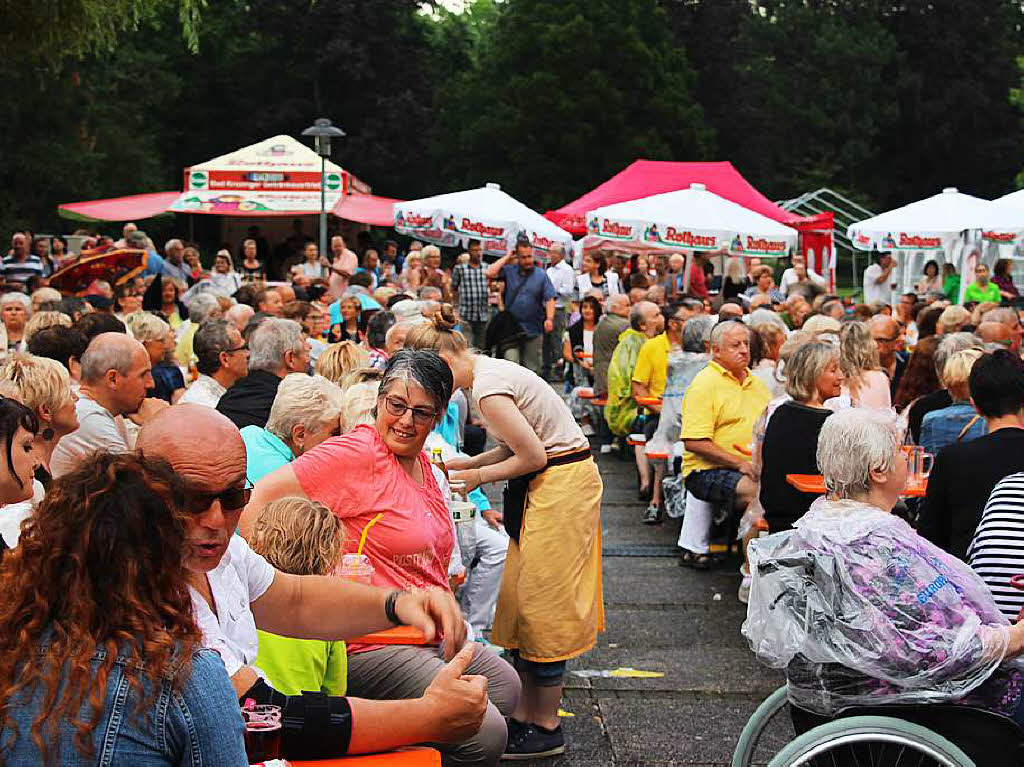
column 366, row 209
column 646, row 177
column 136, row 206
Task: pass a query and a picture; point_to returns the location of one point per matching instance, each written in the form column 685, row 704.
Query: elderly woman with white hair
column 858, row 609
column 156, row 335
column 15, row 310
column 306, row 411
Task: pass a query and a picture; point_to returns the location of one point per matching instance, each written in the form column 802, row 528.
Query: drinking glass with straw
column 357, row 567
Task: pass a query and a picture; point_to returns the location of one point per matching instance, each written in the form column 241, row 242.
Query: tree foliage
column 885, row 101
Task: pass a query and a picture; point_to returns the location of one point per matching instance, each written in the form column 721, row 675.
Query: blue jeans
column 200, row 724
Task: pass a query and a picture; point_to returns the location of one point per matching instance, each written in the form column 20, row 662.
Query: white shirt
column 242, row 577
column 228, row 283
column 563, row 278
column 611, row 279
column 97, row 430
column 789, row 279
column 875, row 293
column 203, row 391
column 13, row 514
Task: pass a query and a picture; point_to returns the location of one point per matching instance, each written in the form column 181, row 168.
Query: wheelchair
column 945, row 735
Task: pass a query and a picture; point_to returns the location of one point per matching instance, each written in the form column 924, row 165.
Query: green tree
column 44, row 32
column 564, row 94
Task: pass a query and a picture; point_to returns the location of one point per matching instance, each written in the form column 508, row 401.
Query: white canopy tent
column 687, row 220
column 949, row 227
column 486, row 214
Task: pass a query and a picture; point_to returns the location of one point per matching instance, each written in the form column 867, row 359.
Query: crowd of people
column 202, row 464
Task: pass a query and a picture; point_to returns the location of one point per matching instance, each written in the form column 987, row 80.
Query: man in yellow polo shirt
column 649, row 381
column 719, row 411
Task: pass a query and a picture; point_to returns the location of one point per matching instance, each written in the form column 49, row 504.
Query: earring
column 47, row 434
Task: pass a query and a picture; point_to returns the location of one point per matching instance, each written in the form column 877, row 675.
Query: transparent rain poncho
column 858, row 610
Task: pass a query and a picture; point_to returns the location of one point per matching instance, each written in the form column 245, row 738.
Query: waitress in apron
column 550, row 604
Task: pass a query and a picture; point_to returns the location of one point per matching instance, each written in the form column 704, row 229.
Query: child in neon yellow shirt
column 300, row 537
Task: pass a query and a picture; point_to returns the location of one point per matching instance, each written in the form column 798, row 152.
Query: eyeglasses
column 242, row 348
column 421, row 416
column 232, row 499
column 886, row 340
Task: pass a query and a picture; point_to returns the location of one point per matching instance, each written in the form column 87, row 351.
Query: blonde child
column 300, row 537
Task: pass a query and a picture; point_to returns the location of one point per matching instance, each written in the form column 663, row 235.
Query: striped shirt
column 20, row 271
column 997, row 551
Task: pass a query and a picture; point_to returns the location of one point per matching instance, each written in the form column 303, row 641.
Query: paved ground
column 662, row 618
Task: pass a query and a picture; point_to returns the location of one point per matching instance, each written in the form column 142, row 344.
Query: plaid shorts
column 716, row 486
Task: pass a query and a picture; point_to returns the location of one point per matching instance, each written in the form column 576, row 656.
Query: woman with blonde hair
column 301, row 537
column 44, row 387
column 770, row 339
column 411, row 276
column 958, row 422
column 550, row 604
column 41, row 320
column 866, row 384
column 156, row 335
column 339, row 360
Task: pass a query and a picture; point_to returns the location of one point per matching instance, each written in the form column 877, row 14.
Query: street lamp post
column 323, row 131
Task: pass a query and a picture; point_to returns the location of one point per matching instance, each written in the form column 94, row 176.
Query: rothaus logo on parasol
column 412, row 221
column 909, row 241
column 688, row 239
column 615, row 230
column 999, row 236
column 762, row 245
column 469, row 226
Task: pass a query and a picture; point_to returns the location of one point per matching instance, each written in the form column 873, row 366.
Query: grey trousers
column 475, row 333
column 397, row 672
column 528, row 354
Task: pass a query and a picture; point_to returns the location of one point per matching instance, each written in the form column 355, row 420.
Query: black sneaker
column 516, row 730
column 535, row 743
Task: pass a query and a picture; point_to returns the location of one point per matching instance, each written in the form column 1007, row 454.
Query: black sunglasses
column 232, row 499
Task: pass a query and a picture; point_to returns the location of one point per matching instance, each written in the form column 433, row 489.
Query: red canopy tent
column 646, row 177
column 643, row 178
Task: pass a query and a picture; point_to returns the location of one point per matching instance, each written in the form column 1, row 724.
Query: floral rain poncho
column 858, row 609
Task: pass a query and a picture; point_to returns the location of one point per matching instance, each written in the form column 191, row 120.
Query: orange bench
column 585, row 392
column 396, row 635
column 648, row 402
column 414, row 756
column 815, row 483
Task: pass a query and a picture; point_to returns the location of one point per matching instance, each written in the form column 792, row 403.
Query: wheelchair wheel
column 878, row 741
column 768, row 723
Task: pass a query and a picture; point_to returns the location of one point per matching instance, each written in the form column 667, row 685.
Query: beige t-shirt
column 543, row 409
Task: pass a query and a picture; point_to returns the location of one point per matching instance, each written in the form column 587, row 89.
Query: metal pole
column 323, row 206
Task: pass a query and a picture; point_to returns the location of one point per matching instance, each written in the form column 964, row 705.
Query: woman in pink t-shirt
column 382, row 469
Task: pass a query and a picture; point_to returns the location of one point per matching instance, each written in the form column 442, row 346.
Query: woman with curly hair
column 100, row 656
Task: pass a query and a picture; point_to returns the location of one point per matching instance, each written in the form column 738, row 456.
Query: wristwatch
column 389, row 608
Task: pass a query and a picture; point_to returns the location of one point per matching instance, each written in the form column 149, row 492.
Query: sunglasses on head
column 232, row 499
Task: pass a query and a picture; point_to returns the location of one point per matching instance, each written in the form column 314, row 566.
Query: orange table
column 648, row 401
column 585, row 392
column 815, row 483
column 414, row 756
column 745, row 450
column 397, row 635
column 584, row 355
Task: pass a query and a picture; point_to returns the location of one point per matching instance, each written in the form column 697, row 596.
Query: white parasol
column 689, row 219
column 486, row 214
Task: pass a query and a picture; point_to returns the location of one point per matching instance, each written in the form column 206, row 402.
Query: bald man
column 992, row 332
column 888, row 336
column 1008, row 317
column 116, row 372
column 235, row 591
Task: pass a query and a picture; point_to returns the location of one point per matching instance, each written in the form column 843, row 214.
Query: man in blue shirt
column 530, row 297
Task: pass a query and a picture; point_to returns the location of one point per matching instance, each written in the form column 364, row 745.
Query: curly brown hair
column 98, row 567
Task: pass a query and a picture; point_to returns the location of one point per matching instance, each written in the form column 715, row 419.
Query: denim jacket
column 199, row 725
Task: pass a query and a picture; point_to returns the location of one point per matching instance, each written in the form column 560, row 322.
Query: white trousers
column 695, row 534
column 479, row 594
